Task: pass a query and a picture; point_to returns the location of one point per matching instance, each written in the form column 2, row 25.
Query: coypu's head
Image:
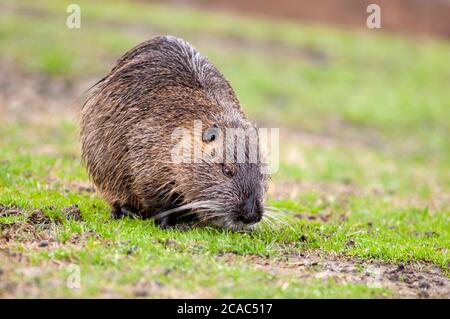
column 223, row 178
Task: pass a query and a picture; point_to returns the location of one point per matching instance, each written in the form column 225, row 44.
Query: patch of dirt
column 229, row 43
column 271, row 49
column 354, row 139
column 71, row 186
column 72, row 212
column 292, row 189
column 26, row 96
column 20, row 278
column 34, row 226
column 82, row 186
column 339, row 133
column 412, row 17
column 336, row 132
column 329, row 194
column 417, row 280
column 23, row 279
column 145, row 288
column 77, row 239
column 34, row 217
column 322, row 216
column 38, row 217
column 335, row 192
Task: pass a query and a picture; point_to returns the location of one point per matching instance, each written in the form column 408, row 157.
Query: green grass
column 377, row 104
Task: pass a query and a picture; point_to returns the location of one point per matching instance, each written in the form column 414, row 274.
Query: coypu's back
column 167, row 61
column 129, row 115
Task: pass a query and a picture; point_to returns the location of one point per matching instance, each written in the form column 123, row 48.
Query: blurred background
column 361, row 111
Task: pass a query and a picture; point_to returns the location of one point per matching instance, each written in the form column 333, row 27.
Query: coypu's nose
column 251, row 211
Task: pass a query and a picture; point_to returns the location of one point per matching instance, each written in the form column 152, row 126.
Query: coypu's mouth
column 209, row 212
column 232, row 223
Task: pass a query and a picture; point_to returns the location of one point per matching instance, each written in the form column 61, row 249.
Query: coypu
column 127, row 125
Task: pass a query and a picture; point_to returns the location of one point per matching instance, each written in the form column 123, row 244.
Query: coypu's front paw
column 166, row 222
column 123, row 211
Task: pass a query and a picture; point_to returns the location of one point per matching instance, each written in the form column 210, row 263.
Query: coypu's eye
column 211, row 134
column 227, row 171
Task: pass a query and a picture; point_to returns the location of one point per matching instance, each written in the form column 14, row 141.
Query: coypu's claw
column 123, row 211
column 166, row 222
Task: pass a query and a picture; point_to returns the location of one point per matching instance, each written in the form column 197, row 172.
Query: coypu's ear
column 211, row 133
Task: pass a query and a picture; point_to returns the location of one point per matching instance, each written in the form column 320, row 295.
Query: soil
column 35, row 226
column 418, row 280
column 38, row 93
column 21, row 277
column 72, row 212
column 412, row 17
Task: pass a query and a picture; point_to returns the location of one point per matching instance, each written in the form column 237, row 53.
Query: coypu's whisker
column 181, row 208
column 208, row 217
column 269, row 220
column 281, row 221
column 269, row 224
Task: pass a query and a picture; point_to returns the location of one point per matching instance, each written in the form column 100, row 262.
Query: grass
column 376, row 105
